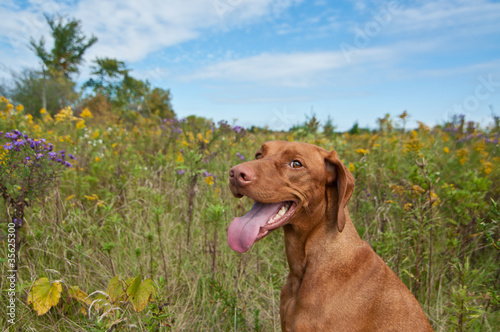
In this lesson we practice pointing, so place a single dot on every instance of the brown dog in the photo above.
(336, 281)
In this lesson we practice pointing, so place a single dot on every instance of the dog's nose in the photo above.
(241, 175)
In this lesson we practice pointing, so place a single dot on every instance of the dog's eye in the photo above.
(296, 164)
(258, 155)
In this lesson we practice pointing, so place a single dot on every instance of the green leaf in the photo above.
(140, 293)
(115, 289)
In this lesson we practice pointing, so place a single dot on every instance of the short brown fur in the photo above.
(336, 281)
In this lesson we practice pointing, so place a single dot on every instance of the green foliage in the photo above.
(69, 47)
(30, 87)
(426, 200)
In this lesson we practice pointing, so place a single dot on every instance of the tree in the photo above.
(69, 46)
(29, 86)
(66, 55)
(112, 79)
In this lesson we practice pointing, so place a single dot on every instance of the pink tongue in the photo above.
(243, 231)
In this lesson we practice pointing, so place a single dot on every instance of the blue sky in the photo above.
(271, 62)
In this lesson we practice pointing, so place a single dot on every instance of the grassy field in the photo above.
(148, 197)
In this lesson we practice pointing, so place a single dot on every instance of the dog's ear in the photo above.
(337, 177)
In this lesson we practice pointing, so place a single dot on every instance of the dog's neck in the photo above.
(304, 243)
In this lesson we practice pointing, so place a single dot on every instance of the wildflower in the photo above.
(462, 155)
(95, 135)
(11, 135)
(397, 189)
(93, 197)
(8, 146)
(43, 111)
(52, 155)
(446, 150)
(237, 129)
(434, 199)
(417, 189)
(351, 167)
(71, 156)
(179, 159)
(19, 108)
(181, 171)
(80, 124)
(239, 155)
(487, 167)
(97, 159)
(65, 114)
(361, 151)
(70, 197)
(86, 113)
(408, 206)
(39, 155)
(209, 180)
(390, 201)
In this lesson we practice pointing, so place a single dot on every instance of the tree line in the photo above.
(111, 90)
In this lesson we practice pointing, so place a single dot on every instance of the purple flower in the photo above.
(239, 155)
(39, 155)
(8, 146)
(237, 129)
(206, 173)
(67, 164)
(181, 171)
(27, 158)
(11, 135)
(71, 156)
(19, 142)
(52, 155)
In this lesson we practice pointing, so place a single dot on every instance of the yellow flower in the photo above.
(19, 108)
(351, 167)
(80, 124)
(91, 198)
(10, 107)
(361, 151)
(179, 159)
(417, 189)
(446, 150)
(95, 135)
(397, 189)
(97, 159)
(43, 111)
(487, 167)
(209, 180)
(390, 201)
(408, 206)
(434, 198)
(86, 113)
(113, 145)
(3, 99)
(70, 197)
(65, 114)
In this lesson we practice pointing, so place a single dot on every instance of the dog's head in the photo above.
(285, 180)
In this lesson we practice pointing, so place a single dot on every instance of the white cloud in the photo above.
(129, 30)
(471, 16)
(295, 69)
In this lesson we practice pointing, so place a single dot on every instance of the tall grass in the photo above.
(151, 198)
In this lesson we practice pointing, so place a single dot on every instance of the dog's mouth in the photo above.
(257, 223)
